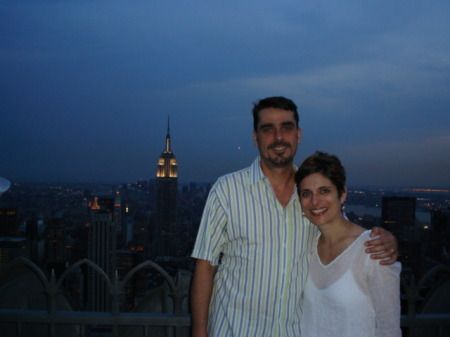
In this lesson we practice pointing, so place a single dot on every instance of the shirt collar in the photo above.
(256, 173)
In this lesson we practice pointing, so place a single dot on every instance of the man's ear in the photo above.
(299, 135)
(255, 139)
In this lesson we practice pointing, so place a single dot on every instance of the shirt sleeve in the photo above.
(384, 291)
(212, 230)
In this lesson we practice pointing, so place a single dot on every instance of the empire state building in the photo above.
(166, 201)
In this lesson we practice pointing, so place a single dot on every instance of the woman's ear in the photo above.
(343, 197)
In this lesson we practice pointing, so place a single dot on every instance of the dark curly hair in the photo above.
(328, 165)
(277, 102)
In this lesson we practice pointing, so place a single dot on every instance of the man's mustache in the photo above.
(277, 144)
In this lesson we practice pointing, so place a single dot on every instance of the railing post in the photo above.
(115, 295)
(52, 293)
(178, 297)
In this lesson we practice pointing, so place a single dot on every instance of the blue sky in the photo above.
(86, 87)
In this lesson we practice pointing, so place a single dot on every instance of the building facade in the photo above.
(166, 202)
(398, 215)
(102, 251)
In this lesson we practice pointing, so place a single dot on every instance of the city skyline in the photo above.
(87, 87)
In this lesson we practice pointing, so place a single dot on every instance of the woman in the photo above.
(346, 293)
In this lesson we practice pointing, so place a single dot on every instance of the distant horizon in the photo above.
(438, 189)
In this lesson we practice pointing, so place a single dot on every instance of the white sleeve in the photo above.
(384, 290)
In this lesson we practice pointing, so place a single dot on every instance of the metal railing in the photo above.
(426, 325)
(417, 324)
(53, 322)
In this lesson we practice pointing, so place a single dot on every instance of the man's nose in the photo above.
(279, 134)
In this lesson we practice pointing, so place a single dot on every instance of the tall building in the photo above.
(118, 212)
(9, 222)
(56, 240)
(166, 201)
(102, 251)
(126, 234)
(440, 242)
(398, 212)
(11, 249)
(398, 215)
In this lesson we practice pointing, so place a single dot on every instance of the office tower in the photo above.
(57, 235)
(32, 229)
(166, 201)
(9, 222)
(397, 213)
(440, 242)
(12, 249)
(102, 251)
(118, 211)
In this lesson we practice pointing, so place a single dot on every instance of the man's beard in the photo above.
(278, 160)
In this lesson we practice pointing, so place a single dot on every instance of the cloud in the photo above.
(93, 74)
(420, 163)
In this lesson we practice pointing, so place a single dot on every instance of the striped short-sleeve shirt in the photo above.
(262, 251)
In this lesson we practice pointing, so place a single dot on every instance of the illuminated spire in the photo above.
(168, 137)
(95, 205)
(167, 164)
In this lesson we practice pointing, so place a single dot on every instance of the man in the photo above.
(253, 244)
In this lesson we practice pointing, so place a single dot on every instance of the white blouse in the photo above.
(352, 296)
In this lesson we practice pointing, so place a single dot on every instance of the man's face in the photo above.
(277, 137)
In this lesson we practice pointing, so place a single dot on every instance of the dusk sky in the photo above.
(87, 87)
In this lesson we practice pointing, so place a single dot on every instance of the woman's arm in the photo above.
(384, 290)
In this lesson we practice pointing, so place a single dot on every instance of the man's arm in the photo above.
(201, 290)
(384, 247)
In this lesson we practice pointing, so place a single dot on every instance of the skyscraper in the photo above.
(440, 242)
(9, 222)
(166, 201)
(102, 251)
(398, 215)
(12, 248)
(56, 241)
(398, 212)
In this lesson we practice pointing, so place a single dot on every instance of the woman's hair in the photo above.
(328, 165)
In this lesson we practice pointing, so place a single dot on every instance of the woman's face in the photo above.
(320, 199)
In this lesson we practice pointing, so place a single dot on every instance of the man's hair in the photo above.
(328, 165)
(277, 102)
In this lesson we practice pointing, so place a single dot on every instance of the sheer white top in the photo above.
(352, 296)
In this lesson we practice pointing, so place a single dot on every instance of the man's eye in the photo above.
(325, 191)
(266, 130)
(288, 128)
